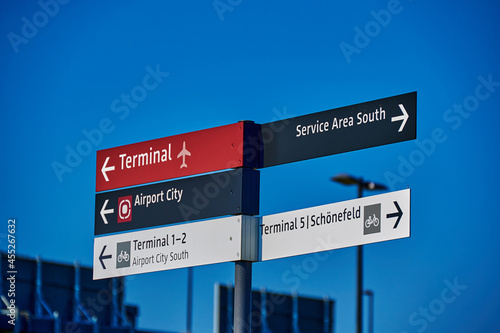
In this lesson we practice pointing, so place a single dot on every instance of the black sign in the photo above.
(223, 193)
(365, 125)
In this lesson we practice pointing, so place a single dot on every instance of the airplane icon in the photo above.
(184, 152)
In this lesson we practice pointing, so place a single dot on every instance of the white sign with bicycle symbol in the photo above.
(333, 226)
(190, 244)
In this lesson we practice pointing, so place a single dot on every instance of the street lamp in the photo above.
(369, 293)
(346, 179)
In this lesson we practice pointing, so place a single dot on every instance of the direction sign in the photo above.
(349, 128)
(212, 195)
(355, 222)
(221, 240)
(176, 156)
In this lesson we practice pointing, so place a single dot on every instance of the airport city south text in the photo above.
(161, 257)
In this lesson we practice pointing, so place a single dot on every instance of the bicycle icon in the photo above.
(123, 256)
(375, 221)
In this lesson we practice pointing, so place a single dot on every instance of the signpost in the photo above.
(176, 156)
(192, 244)
(244, 146)
(349, 223)
(365, 125)
(195, 198)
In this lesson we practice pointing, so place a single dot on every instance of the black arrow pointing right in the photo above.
(397, 214)
(102, 257)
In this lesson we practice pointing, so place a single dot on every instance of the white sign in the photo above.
(185, 245)
(349, 223)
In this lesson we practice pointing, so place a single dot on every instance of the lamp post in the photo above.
(369, 293)
(347, 179)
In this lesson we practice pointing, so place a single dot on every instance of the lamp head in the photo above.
(346, 179)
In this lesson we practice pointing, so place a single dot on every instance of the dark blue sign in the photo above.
(365, 125)
(224, 193)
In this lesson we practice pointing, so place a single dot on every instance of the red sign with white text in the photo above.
(176, 156)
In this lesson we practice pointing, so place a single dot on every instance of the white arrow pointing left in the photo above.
(105, 211)
(106, 168)
(404, 117)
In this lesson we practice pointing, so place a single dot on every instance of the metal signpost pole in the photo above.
(242, 296)
(189, 300)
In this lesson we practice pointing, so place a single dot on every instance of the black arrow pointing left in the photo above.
(102, 257)
(397, 214)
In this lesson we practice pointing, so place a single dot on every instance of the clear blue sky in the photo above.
(65, 67)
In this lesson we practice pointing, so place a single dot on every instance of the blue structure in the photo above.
(276, 313)
(53, 297)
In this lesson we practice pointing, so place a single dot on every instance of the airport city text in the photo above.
(172, 194)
